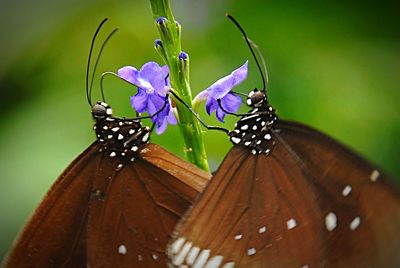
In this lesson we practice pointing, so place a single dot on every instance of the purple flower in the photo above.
(153, 85)
(221, 90)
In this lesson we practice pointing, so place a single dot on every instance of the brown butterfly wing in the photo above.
(55, 235)
(285, 211)
(133, 216)
(372, 199)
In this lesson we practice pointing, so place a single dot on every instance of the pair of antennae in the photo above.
(252, 45)
(90, 85)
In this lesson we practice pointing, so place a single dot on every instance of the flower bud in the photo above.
(161, 23)
(183, 58)
(178, 28)
(158, 45)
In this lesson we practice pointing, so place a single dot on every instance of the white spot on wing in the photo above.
(355, 223)
(238, 237)
(214, 262)
(251, 251)
(374, 175)
(229, 265)
(176, 246)
(119, 166)
(178, 259)
(346, 190)
(194, 251)
(291, 224)
(115, 129)
(262, 230)
(330, 221)
(244, 127)
(113, 154)
(120, 136)
(122, 250)
(154, 256)
(131, 131)
(202, 259)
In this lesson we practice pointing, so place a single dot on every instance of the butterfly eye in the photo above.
(99, 111)
(255, 98)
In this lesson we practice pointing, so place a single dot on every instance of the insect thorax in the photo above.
(120, 137)
(254, 130)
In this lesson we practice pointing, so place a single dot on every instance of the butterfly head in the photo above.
(101, 110)
(256, 98)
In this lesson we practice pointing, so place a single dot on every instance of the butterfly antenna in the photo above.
(264, 65)
(97, 62)
(89, 59)
(250, 46)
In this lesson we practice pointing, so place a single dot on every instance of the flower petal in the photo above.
(139, 101)
(157, 103)
(130, 74)
(161, 126)
(240, 74)
(160, 80)
(220, 114)
(222, 86)
(231, 102)
(202, 96)
(152, 76)
(211, 105)
(164, 73)
(149, 69)
(171, 117)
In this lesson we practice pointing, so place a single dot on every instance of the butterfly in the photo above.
(115, 205)
(287, 195)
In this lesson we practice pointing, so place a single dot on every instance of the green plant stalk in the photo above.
(190, 127)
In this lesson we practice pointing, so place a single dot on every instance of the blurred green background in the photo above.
(334, 66)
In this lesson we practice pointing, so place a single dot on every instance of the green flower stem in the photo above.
(169, 49)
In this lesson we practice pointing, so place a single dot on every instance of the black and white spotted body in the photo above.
(255, 129)
(120, 137)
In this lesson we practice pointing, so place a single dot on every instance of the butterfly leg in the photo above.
(227, 112)
(197, 115)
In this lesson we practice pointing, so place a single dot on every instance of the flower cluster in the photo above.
(153, 85)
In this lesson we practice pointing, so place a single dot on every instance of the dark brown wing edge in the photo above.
(336, 145)
(373, 195)
(55, 235)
